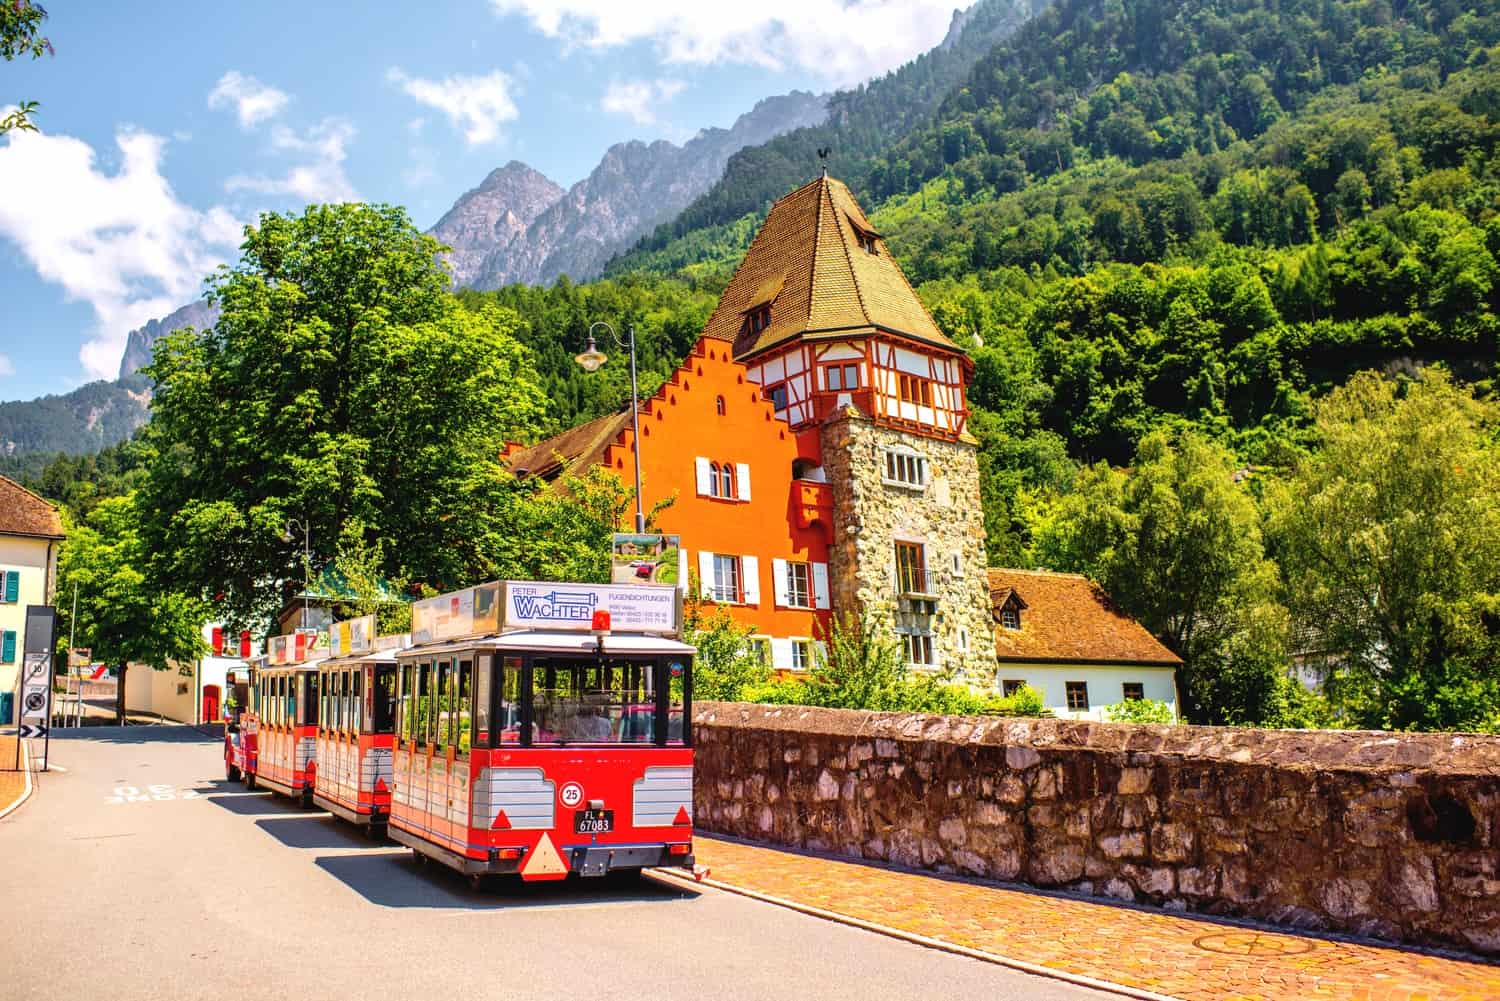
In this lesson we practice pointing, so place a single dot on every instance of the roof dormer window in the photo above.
(760, 318)
(867, 241)
(1010, 617)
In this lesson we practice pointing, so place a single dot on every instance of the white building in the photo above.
(1062, 635)
(30, 533)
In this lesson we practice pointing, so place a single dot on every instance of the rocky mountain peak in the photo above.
(493, 215)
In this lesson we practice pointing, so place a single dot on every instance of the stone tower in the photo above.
(824, 320)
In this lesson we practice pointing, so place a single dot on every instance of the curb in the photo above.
(26, 770)
(1020, 965)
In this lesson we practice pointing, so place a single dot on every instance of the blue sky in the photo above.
(165, 127)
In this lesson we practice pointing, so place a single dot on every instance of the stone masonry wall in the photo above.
(870, 515)
(1390, 836)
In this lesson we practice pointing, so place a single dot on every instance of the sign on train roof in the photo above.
(506, 605)
(352, 636)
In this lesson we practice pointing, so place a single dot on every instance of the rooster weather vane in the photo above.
(823, 152)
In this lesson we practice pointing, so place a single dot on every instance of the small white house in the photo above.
(1062, 635)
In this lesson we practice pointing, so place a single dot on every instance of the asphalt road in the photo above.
(198, 889)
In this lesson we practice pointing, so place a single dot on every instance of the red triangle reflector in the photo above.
(682, 818)
(380, 786)
(502, 822)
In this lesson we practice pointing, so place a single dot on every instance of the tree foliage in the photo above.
(123, 614)
(341, 385)
(20, 35)
(1389, 532)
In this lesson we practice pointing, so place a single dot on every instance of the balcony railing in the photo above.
(918, 584)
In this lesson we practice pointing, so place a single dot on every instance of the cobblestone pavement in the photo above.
(1151, 950)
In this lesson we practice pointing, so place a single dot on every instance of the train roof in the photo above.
(558, 641)
(361, 659)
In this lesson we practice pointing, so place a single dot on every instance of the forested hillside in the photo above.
(862, 123)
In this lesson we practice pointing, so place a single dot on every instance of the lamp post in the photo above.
(286, 536)
(590, 360)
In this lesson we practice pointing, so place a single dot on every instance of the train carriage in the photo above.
(357, 693)
(278, 742)
(533, 738)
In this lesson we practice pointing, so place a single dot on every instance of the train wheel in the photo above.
(476, 882)
(419, 857)
(231, 772)
(250, 781)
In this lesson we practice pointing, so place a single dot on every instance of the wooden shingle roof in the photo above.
(810, 251)
(1069, 618)
(574, 450)
(24, 513)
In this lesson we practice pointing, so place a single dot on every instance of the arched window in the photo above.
(719, 405)
(726, 480)
(714, 484)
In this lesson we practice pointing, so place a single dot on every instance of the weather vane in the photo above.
(823, 152)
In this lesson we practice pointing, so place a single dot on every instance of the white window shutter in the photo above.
(750, 579)
(819, 654)
(781, 654)
(705, 477)
(820, 585)
(742, 479)
(778, 582)
(682, 570)
(706, 573)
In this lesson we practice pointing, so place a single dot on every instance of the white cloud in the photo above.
(842, 40)
(321, 180)
(475, 105)
(252, 101)
(6, 368)
(639, 98)
(121, 242)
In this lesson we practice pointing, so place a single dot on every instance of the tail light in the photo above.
(509, 854)
(679, 849)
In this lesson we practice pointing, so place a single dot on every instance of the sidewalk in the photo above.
(1149, 950)
(12, 783)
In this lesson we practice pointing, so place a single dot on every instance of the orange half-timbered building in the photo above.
(814, 441)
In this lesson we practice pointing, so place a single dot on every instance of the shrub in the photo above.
(1140, 711)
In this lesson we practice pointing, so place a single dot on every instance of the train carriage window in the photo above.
(326, 721)
(356, 701)
(385, 700)
(464, 722)
(422, 723)
(309, 692)
(406, 706)
(508, 701)
(442, 705)
(485, 664)
(590, 703)
(346, 709)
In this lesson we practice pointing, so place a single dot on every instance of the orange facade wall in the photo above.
(683, 423)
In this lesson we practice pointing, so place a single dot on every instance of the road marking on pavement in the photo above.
(151, 794)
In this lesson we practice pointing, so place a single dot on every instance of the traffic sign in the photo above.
(33, 730)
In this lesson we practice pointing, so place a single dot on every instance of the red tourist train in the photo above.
(357, 693)
(545, 729)
(275, 744)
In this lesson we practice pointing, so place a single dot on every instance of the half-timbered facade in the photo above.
(821, 379)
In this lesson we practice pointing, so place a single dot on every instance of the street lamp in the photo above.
(589, 361)
(286, 536)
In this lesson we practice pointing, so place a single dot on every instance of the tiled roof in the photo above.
(808, 251)
(574, 450)
(24, 513)
(1069, 618)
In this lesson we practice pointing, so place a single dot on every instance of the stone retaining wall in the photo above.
(1391, 836)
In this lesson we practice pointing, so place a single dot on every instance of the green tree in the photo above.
(1389, 536)
(20, 33)
(1177, 542)
(122, 614)
(728, 662)
(341, 385)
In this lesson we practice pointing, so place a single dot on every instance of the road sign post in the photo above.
(35, 716)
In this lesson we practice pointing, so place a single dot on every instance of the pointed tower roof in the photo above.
(811, 265)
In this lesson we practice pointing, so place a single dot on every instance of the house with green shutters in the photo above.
(31, 531)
